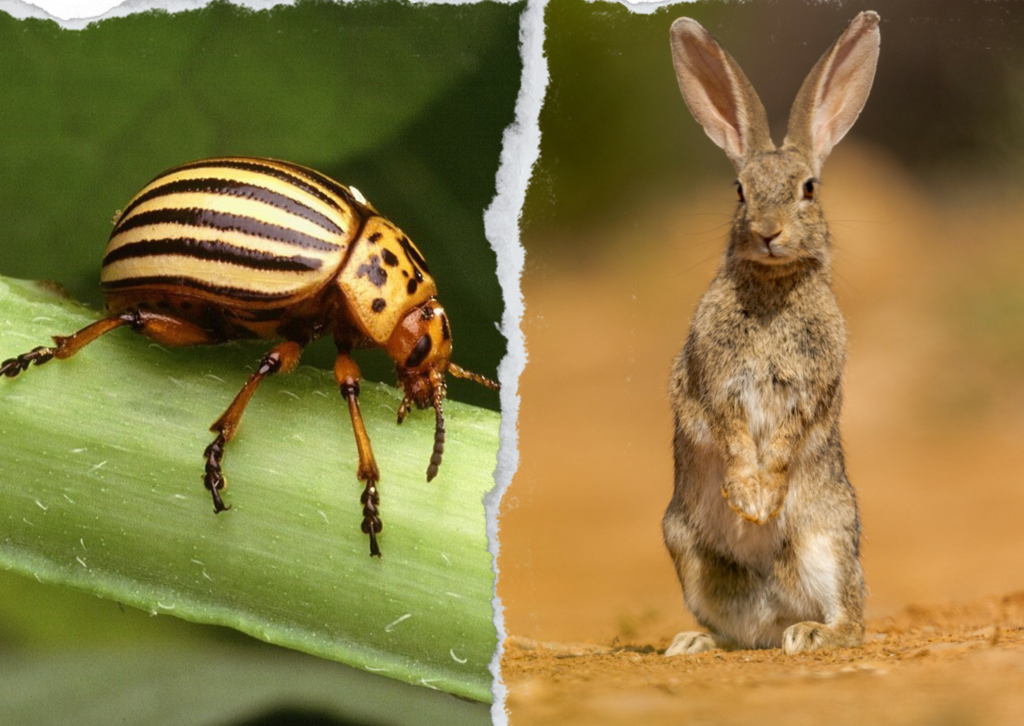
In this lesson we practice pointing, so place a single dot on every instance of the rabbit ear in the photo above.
(718, 93)
(835, 91)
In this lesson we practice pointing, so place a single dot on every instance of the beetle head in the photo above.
(421, 346)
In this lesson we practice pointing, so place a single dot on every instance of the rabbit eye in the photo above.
(809, 189)
(739, 191)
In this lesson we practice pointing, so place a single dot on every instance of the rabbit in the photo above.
(763, 526)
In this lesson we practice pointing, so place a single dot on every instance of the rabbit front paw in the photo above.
(690, 643)
(756, 497)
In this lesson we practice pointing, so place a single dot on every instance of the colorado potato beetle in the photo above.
(231, 248)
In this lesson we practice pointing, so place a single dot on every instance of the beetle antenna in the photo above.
(435, 458)
(460, 372)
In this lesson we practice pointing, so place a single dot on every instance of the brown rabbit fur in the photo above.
(763, 524)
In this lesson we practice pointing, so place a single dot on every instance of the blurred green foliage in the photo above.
(406, 103)
(613, 126)
(132, 668)
(948, 99)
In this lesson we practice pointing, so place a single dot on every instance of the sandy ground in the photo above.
(946, 665)
(933, 422)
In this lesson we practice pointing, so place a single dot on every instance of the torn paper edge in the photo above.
(520, 151)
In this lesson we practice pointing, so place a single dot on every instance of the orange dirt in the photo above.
(929, 665)
(933, 422)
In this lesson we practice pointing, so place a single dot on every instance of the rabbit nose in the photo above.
(768, 238)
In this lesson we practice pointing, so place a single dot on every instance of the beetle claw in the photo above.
(372, 524)
(214, 476)
(13, 366)
(218, 503)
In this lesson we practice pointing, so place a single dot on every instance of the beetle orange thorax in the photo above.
(421, 346)
(384, 277)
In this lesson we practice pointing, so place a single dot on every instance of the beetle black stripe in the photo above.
(231, 187)
(293, 176)
(216, 251)
(414, 254)
(196, 217)
(330, 184)
(357, 236)
(234, 293)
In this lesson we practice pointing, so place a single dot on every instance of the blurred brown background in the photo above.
(624, 226)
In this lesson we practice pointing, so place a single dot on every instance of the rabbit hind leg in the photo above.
(843, 608)
(806, 636)
(844, 628)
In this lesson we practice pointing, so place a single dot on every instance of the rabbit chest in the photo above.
(763, 360)
(764, 384)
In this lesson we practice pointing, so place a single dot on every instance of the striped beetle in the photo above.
(240, 247)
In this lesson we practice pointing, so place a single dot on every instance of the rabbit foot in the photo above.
(807, 636)
(689, 643)
(756, 498)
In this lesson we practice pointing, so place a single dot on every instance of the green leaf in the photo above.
(101, 490)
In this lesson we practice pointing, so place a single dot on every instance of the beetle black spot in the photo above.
(373, 272)
(374, 237)
(427, 312)
(389, 258)
(378, 304)
(411, 287)
(419, 353)
(446, 333)
(418, 275)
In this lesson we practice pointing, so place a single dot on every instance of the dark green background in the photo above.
(407, 103)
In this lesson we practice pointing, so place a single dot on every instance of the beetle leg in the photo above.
(162, 328)
(403, 408)
(281, 359)
(346, 373)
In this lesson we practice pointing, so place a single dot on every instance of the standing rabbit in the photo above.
(763, 523)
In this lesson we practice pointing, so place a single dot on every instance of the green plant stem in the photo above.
(101, 489)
